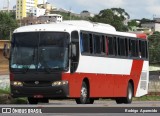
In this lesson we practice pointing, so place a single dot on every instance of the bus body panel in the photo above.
(144, 80)
(105, 85)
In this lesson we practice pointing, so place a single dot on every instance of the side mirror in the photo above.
(73, 50)
(6, 51)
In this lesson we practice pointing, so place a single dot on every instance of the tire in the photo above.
(129, 96)
(119, 100)
(84, 95)
(32, 100)
(44, 100)
(90, 101)
(128, 99)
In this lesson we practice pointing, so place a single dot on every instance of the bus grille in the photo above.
(37, 84)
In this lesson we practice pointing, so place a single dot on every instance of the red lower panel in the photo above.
(104, 85)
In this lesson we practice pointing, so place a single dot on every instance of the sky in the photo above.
(137, 9)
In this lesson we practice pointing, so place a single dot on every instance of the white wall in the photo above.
(37, 11)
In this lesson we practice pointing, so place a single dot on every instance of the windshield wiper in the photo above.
(52, 69)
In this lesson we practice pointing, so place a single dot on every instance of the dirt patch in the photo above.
(4, 67)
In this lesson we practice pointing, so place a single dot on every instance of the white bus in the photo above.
(80, 60)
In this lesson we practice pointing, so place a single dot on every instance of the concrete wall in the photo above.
(154, 82)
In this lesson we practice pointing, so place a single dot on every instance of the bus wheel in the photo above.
(44, 100)
(128, 99)
(119, 100)
(84, 95)
(90, 101)
(32, 100)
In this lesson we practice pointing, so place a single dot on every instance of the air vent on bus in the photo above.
(143, 81)
(143, 85)
(144, 76)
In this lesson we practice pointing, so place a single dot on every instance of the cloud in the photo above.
(90, 5)
(135, 8)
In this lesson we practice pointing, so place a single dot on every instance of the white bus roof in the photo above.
(71, 25)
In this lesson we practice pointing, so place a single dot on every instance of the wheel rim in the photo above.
(83, 93)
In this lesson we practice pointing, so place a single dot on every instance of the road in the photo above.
(70, 108)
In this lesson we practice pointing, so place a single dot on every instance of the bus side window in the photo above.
(140, 49)
(97, 49)
(126, 47)
(129, 48)
(143, 49)
(103, 43)
(122, 46)
(110, 45)
(85, 43)
(107, 45)
(91, 43)
(115, 46)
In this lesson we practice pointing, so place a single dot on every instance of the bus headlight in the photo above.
(58, 83)
(17, 83)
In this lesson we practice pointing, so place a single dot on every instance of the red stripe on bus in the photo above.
(141, 35)
(104, 85)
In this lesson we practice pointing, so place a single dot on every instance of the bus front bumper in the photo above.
(61, 91)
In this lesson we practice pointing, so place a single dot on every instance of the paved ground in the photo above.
(4, 81)
(63, 106)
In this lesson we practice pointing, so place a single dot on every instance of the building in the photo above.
(85, 14)
(51, 18)
(41, 19)
(23, 7)
(29, 21)
(36, 12)
(145, 30)
(153, 25)
(49, 7)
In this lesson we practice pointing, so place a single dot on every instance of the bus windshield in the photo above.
(40, 51)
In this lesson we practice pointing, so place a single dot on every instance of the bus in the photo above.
(78, 60)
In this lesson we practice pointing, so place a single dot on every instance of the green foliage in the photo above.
(147, 98)
(19, 101)
(109, 17)
(121, 11)
(7, 24)
(154, 47)
(144, 20)
(132, 23)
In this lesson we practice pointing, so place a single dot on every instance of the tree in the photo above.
(154, 47)
(121, 12)
(7, 24)
(109, 17)
(132, 23)
(144, 20)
